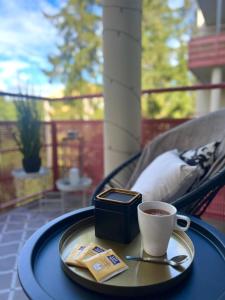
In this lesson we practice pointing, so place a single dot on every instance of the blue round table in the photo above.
(42, 277)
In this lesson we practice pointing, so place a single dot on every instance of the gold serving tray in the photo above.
(141, 278)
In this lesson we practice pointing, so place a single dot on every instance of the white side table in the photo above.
(64, 186)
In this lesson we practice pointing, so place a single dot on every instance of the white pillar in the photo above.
(202, 102)
(122, 80)
(215, 100)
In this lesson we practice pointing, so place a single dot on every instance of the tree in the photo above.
(71, 109)
(7, 110)
(164, 58)
(77, 61)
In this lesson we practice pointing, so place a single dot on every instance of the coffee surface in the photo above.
(156, 212)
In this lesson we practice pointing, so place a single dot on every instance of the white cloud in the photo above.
(176, 3)
(9, 67)
(11, 71)
(26, 38)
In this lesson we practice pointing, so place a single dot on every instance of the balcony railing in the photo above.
(58, 156)
(207, 51)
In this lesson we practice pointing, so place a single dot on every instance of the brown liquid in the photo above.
(157, 212)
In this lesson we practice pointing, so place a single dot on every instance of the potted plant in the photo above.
(28, 136)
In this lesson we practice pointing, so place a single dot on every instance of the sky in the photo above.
(26, 38)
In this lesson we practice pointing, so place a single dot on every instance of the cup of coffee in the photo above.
(157, 220)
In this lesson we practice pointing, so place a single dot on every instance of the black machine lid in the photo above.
(120, 196)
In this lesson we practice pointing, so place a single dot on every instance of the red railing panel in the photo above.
(63, 156)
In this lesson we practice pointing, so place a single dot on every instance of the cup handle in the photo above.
(182, 228)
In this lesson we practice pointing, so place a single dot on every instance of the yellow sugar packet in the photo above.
(81, 252)
(105, 265)
(91, 250)
(72, 258)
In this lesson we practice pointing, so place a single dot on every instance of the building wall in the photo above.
(208, 101)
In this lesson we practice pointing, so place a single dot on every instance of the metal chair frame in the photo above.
(193, 202)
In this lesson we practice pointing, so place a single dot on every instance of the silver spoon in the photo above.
(174, 261)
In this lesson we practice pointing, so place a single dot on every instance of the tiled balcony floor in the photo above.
(16, 226)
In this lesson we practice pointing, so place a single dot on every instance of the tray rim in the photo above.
(27, 257)
(117, 290)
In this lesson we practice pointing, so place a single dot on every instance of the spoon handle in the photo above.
(157, 260)
(148, 259)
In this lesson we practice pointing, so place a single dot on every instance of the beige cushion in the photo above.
(166, 178)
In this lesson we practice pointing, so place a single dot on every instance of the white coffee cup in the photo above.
(156, 228)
